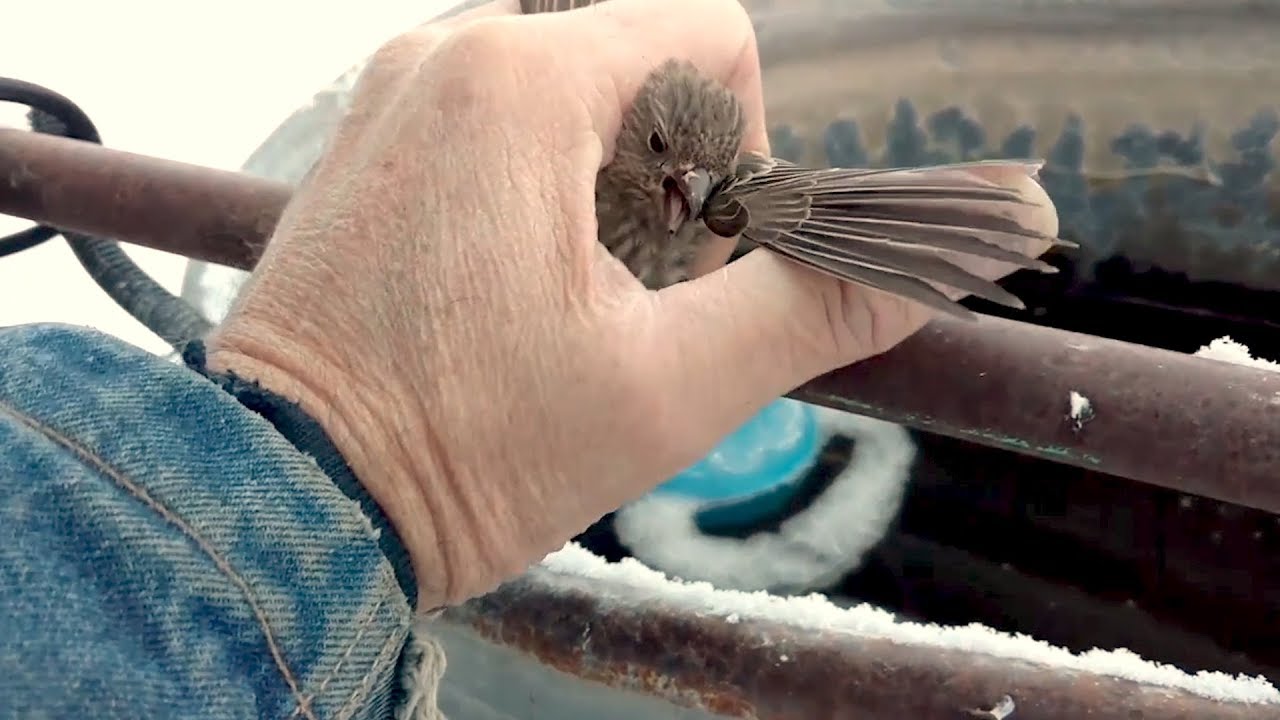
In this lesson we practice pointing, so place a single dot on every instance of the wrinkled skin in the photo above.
(436, 296)
(680, 180)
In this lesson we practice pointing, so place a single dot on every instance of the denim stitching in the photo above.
(304, 703)
(362, 624)
(389, 649)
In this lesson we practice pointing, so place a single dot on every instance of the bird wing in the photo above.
(532, 7)
(888, 229)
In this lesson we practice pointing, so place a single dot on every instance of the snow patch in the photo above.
(1228, 350)
(1000, 711)
(817, 611)
(1080, 410)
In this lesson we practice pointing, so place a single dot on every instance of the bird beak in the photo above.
(694, 186)
(685, 193)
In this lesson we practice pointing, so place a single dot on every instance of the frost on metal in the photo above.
(1081, 410)
(1228, 350)
(864, 621)
(1001, 710)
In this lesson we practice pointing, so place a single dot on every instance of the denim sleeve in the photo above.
(166, 552)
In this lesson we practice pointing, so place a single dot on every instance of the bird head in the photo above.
(680, 141)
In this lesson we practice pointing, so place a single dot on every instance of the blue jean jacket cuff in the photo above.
(306, 434)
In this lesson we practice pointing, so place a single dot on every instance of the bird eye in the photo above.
(656, 143)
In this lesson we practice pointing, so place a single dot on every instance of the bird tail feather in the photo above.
(931, 234)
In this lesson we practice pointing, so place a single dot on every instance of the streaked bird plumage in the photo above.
(678, 180)
(888, 229)
(678, 142)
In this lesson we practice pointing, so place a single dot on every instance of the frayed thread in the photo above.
(423, 667)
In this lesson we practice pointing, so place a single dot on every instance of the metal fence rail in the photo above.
(769, 670)
(1187, 423)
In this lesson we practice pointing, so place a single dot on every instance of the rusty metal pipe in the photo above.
(1164, 418)
(1199, 426)
(635, 639)
(213, 215)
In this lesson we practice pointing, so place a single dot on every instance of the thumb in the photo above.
(728, 343)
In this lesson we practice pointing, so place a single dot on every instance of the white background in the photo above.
(202, 83)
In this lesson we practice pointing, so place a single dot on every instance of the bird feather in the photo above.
(877, 226)
(531, 7)
(894, 229)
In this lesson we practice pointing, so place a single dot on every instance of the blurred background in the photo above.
(199, 83)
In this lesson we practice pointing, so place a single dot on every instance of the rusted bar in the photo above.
(202, 213)
(634, 639)
(1200, 426)
(1165, 418)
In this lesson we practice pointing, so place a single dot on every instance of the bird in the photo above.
(678, 179)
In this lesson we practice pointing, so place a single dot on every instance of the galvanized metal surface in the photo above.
(629, 640)
(1200, 426)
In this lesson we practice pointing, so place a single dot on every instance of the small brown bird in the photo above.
(678, 179)
(678, 146)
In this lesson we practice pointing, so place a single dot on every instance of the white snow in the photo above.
(866, 621)
(1228, 350)
(1081, 409)
(1002, 709)
(1079, 405)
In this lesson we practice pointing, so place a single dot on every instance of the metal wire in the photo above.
(165, 314)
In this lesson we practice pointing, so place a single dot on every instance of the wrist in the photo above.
(351, 410)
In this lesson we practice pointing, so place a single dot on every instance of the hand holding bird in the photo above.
(680, 178)
(437, 293)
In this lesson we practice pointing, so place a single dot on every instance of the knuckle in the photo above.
(870, 322)
(406, 49)
(471, 68)
(832, 335)
(482, 44)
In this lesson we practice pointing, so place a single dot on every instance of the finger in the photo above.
(472, 11)
(712, 255)
(394, 62)
(634, 36)
(1033, 193)
(747, 85)
(627, 39)
(1037, 213)
(727, 344)
(393, 69)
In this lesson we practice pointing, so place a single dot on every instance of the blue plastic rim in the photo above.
(770, 451)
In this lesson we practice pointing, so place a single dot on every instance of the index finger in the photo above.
(629, 38)
(472, 10)
(393, 60)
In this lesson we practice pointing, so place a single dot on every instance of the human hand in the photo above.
(435, 295)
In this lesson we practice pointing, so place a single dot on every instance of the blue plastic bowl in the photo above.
(749, 475)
